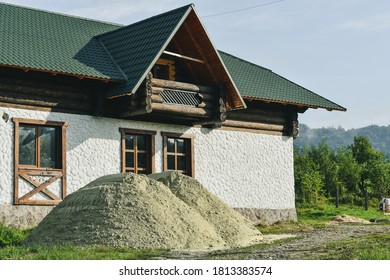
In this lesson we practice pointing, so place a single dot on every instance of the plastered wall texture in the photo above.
(247, 170)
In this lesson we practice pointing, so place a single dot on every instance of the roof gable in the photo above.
(136, 47)
(258, 83)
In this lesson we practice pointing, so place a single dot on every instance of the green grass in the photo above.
(314, 218)
(370, 247)
(320, 216)
(76, 253)
(11, 248)
(12, 236)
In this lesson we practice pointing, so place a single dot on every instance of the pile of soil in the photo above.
(348, 219)
(167, 210)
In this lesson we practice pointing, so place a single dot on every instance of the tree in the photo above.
(381, 179)
(325, 159)
(367, 158)
(348, 175)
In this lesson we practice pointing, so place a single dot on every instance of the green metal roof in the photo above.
(256, 82)
(45, 41)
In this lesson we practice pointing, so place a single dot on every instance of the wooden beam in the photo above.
(183, 56)
(254, 125)
(248, 115)
(182, 86)
(157, 98)
(200, 51)
(179, 109)
(39, 187)
(188, 65)
(249, 130)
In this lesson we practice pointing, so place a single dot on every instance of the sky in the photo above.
(338, 49)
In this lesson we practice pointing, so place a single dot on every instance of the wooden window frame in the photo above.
(26, 171)
(189, 151)
(171, 66)
(150, 155)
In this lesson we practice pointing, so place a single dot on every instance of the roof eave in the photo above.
(54, 73)
(338, 108)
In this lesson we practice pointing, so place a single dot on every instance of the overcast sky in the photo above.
(336, 48)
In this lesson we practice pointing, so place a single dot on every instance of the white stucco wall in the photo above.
(244, 169)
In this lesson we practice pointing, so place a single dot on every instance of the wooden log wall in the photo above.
(148, 100)
(275, 121)
(46, 92)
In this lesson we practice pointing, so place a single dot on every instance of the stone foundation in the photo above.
(268, 216)
(23, 216)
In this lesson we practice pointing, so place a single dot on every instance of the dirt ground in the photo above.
(305, 245)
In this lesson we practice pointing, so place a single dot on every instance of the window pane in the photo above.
(130, 160)
(181, 146)
(181, 163)
(129, 140)
(171, 162)
(171, 145)
(161, 71)
(142, 172)
(27, 145)
(141, 142)
(142, 160)
(48, 147)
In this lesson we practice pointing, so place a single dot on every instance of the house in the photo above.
(81, 98)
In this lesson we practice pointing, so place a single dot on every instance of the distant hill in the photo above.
(339, 137)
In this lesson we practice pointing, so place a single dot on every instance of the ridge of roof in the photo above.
(143, 20)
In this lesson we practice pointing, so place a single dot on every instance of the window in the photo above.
(40, 161)
(39, 146)
(137, 151)
(179, 153)
(164, 69)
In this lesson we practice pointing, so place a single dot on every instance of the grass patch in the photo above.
(315, 218)
(288, 227)
(320, 216)
(68, 252)
(11, 248)
(370, 247)
(12, 236)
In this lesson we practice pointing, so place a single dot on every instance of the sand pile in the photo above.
(348, 219)
(140, 212)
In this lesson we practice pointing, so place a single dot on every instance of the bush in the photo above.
(12, 236)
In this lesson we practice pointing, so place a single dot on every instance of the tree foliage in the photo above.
(354, 174)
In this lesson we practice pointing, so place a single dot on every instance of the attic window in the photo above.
(164, 69)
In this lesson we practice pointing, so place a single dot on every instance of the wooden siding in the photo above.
(46, 92)
(266, 118)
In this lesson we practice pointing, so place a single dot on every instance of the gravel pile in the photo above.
(166, 210)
